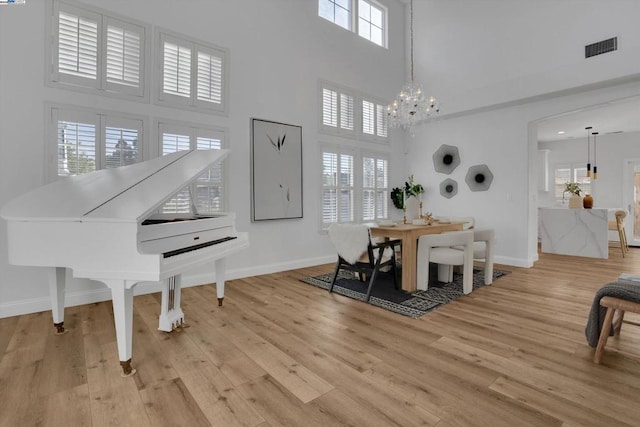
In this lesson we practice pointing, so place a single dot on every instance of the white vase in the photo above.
(575, 202)
(413, 208)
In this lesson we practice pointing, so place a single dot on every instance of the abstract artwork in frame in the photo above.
(276, 170)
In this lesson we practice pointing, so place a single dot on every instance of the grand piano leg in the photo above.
(57, 283)
(122, 297)
(171, 315)
(220, 271)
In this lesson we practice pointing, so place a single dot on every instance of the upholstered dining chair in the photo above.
(439, 249)
(359, 254)
(618, 225)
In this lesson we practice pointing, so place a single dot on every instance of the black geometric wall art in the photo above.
(479, 178)
(446, 159)
(448, 188)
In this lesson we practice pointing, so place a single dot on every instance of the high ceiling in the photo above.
(614, 117)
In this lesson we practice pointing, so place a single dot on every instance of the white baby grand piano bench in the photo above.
(103, 226)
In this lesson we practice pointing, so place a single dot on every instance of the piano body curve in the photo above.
(104, 226)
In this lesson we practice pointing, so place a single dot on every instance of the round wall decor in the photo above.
(446, 159)
(479, 178)
(448, 188)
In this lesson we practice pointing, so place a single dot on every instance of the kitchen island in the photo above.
(578, 232)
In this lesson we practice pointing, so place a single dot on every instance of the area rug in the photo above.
(385, 295)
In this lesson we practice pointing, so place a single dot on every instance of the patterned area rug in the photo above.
(385, 295)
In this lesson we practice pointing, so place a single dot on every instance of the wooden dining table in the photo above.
(409, 234)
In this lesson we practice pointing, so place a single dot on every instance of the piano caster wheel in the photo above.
(220, 302)
(60, 328)
(127, 370)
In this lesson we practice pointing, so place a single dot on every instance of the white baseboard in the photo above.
(515, 262)
(43, 303)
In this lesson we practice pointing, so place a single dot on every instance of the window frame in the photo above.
(192, 102)
(358, 155)
(100, 85)
(355, 19)
(101, 119)
(194, 131)
(357, 133)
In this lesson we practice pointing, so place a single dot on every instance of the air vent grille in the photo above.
(601, 47)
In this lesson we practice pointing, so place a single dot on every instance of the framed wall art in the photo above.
(276, 170)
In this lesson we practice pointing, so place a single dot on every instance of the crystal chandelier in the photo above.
(411, 106)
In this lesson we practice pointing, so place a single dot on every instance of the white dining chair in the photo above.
(439, 249)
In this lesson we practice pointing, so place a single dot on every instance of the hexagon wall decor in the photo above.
(448, 188)
(446, 159)
(479, 178)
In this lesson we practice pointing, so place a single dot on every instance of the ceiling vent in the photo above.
(601, 47)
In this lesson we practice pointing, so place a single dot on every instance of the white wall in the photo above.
(472, 54)
(278, 51)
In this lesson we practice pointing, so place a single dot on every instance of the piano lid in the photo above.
(127, 193)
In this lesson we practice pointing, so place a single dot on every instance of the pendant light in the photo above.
(411, 106)
(595, 149)
(588, 128)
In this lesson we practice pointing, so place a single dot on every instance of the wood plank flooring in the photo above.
(281, 352)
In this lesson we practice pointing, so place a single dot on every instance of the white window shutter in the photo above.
(381, 121)
(346, 112)
(124, 58)
(209, 80)
(76, 59)
(368, 117)
(329, 108)
(76, 144)
(176, 67)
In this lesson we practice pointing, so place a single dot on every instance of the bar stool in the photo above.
(618, 225)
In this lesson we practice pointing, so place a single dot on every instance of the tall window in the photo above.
(355, 187)
(87, 141)
(98, 51)
(371, 20)
(338, 189)
(570, 173)
(208, 191)
(375, 188)
(193, 73)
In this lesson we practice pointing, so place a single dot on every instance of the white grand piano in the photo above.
(105, 226)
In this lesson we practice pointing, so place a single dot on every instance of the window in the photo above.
(336, 11)
(375, 188)
(96, 51)
(339, 114)
(337, 188)
(354, 186)
(208, 191)
(374, 119)
(337, 108)
(193, 74)
(371, 22)
(87, 141)
(570, 173)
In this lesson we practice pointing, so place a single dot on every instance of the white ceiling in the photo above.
(613, 117)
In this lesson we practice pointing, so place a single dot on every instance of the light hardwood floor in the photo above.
(281, 352)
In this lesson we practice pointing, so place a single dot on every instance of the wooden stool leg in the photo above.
(621, 238)
(617, 321)
(604, 334)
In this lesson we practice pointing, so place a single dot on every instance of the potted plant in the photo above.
(575, 201)
(399, 195)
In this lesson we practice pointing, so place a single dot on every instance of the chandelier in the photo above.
(411, 106)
